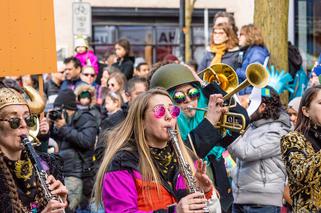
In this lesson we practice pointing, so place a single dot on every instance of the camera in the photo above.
(55, 114)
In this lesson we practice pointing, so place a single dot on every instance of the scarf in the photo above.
(219, 50)
(165, 161)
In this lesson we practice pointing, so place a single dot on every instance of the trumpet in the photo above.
(257, 76)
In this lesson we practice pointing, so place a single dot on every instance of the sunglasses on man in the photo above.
(180, 97)
(89, 74)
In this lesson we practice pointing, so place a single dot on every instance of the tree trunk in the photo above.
(189, 6)
(272, 18)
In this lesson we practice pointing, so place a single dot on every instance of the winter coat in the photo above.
(106, 124)
(71, 84)
(253, 54)
(50, 161)
(76, 142)
(122, 187)
(126, 66)
(260, 174)
(232, 58)
(51, 88)
(88, 55)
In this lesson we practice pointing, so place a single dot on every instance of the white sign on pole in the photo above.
(81, 18)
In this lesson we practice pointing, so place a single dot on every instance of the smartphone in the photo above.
(317, 70)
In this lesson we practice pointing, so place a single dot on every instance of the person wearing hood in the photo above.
(124, 62)
(259, 178)
(252, 43)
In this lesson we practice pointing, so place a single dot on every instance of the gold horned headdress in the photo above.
(36, 105)
(10, 96)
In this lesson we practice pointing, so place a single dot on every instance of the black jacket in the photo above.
(126, 66)
(76, 142)
(205, 136)
(51, 88)
(107, 124)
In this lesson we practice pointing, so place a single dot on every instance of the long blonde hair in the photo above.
(119, 137)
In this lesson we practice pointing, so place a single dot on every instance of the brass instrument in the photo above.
(222, 74)
(257, 76)
(36, 105)
(183, 164)
(40, 171)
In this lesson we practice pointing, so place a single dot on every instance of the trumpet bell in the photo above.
(257, 75)
(222, 74)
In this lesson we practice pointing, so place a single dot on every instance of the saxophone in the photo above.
(184, 165)
(40, 172)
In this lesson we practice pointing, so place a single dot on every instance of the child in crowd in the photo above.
(83, 53)
(116, 83)
(113, 102)
(124, 62)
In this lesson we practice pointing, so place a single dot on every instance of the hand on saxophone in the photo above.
(203, 180)
(195, 202)
(215, 108)
(57, 188)
(44, 126)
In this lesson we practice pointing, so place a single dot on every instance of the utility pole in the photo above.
(181, 29)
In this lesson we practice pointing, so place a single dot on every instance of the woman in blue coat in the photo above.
(252, 43)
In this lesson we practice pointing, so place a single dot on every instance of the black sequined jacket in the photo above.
(55, 165)
(302, 158)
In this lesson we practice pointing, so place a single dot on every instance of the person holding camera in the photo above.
(75, 132)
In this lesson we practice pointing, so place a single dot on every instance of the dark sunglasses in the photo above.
(160, 110)
(88, 74)
(180, 97)
(16, 121)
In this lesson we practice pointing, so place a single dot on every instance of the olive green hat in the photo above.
(171, 75)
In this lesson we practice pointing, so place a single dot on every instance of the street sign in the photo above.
(81, 18)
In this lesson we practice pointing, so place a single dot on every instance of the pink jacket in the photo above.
(88, 55)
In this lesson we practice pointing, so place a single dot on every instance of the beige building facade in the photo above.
(149, 16)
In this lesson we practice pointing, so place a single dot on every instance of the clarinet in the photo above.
(40, 172)
(184, 165)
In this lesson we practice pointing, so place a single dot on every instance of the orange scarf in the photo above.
(219, 50)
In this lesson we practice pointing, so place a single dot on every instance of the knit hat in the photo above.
(66, 99)
(81, 41)
(295, 103)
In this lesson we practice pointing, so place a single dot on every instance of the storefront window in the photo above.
(308, 30)
(150, 42)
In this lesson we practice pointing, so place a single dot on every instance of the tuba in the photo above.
(257, 76)
(36, 105)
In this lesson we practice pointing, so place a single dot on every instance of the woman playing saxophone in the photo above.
(140, 170)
